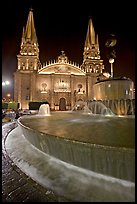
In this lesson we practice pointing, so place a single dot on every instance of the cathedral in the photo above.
(60, 82)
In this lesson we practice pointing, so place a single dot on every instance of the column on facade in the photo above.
(87, 87)
(52, 92)
(90, 87)
(72, 91)
(92, 81)
(32, 86)
(17, 87)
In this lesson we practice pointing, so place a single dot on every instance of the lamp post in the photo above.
(111, 61)
(111, 44)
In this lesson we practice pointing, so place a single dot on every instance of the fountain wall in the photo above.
(117, 94)
(114, 88)
(113, 161)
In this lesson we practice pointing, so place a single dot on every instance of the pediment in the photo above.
(61, 69)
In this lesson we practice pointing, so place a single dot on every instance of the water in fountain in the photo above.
(93, 107)
(98, 107)
(121, 106)
(82, 107)
(132, 108)
(93, 142)
(79, 137)
(44, 110)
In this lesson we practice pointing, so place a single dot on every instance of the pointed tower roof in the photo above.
(91, 55)
(23, 33)
(97, 39)
(23, 36)
(97, 42)
(30, 33)
(90, 38)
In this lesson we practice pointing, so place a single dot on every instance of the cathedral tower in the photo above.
(28, 65)
(91, 55)
(28, 59)
(92, 64)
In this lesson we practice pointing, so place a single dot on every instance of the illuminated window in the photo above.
(126, 92)
(109, 85)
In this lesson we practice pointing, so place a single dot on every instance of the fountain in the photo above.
(44, 110)
(98, 107)
(92, 107)
(121, 106)
(83, 157)
(82, 107)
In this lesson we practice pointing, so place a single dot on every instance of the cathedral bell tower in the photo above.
(28, 59)
(91, 55)
(92, 64)
(28, 65)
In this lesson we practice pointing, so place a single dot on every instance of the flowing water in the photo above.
(104, 144)
(44, 110)
(110, 131)
(90, 139)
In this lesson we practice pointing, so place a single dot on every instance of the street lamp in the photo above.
(111, 61)
(5, 83)
(8, 96)
(111, 44)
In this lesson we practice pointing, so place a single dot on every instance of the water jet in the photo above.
(44, 110)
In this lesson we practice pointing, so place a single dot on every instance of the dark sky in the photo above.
(62, 25)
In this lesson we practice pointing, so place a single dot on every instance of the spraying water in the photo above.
(44, 110)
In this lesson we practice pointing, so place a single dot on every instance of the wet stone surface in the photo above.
(17, 186)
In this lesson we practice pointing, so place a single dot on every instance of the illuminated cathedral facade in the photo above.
(60, 82)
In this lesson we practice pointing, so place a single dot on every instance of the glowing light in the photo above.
(43, 92)
(121, 116)
(111, 60)
(5, 83)
(106, 74)
(8, 95)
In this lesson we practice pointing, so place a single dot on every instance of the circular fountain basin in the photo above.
(102, 144)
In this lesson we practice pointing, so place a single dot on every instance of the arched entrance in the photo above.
(62, 104)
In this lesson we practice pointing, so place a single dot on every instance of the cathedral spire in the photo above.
(97, 40)
(23, 33)
(23, 36)
(90, 38)
(91, 49)
(29, 42)
(91, 55)
(28, 59)
(30, 33)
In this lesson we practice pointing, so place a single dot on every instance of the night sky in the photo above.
(62, 25)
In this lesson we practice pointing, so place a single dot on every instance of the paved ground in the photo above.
(16, 186)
